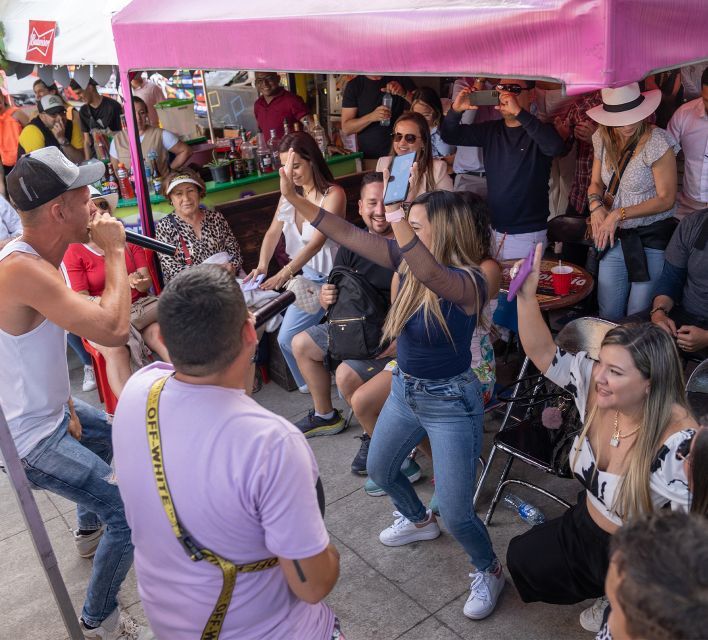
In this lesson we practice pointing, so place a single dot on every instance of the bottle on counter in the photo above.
(111, 182)
(286, 127)
(265, 159)
(274, 148)
(249, 158)
(235, 161)
(387, 101)
(124, 187)
(529, 513)
(318, 133)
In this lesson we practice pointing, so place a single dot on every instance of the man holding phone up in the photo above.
(518, 151)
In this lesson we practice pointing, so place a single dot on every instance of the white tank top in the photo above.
(323, 260)
(34, 376)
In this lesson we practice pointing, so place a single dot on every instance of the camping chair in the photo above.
(528, 440)
(697, 390)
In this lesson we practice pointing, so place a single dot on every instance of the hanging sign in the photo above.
(40, 41)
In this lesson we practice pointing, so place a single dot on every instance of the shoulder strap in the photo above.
(617, 176)
(194, 550)
(185, 250)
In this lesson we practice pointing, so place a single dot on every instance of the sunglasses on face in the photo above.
(410, 138)
(102, 205)
(516, 89)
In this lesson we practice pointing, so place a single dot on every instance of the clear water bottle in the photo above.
(387, 101)
(528, 512)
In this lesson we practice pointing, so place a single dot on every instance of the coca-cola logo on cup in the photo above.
(40, 41)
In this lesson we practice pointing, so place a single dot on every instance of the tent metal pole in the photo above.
(208, 106)
(37, 530)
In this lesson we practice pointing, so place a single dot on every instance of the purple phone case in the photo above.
(521, 276)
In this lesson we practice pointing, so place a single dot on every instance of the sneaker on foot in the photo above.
(359, 462)
(89, 378)
(303, 389)
(118, 626)
(409, 467)
(87, 543)
(484, 592)
(591, 618)
(403, 531)
(312, 425)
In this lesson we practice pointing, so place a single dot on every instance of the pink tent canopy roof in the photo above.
(585, 43)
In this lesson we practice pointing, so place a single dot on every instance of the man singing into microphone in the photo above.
(65, 444)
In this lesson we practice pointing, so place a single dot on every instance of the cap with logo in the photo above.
(51, 105)
(45, 174)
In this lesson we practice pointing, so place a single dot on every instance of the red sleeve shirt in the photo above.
(87, 271)
(285, 106)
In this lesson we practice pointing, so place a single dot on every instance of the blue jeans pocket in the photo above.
(442, 391)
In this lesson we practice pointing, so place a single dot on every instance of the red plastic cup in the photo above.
(562, 275)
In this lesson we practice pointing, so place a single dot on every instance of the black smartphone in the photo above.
(484, 98)
(397, 186)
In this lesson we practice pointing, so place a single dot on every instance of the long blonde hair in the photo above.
(455, 243)
(614, 144)
(655, 355)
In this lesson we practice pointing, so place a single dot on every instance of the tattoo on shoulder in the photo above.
(300, 572)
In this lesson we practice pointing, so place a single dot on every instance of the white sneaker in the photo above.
(591, 618)
(484, 593)
(89, 378)
(118, 626)
(403, 531)
(304, 389)
(86, 544)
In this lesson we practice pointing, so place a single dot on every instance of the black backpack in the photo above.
(355, 321)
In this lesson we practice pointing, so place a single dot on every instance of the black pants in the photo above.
(563, 561)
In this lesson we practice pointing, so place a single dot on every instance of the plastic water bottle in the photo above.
(387, 101)
(528, 512)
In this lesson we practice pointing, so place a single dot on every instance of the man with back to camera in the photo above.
(242, 480)
(518, 152)
(47, 426)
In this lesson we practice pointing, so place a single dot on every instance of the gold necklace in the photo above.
(309, 191)
(617, 435)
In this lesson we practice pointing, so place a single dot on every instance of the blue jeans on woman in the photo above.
(295, 321)
(616, 295)
(80, 471)
(450, 413)
(75, 343)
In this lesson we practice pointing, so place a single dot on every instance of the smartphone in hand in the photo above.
(521, 275)
(484, 98)
(397, 186)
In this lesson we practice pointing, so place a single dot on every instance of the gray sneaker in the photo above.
(118, 626)
(591, 618)
(86, 544)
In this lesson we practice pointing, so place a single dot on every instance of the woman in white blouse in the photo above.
(636, 421)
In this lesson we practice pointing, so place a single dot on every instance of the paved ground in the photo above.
(414, 592)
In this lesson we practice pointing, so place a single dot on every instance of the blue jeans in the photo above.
(450, 413)
(616, 295)
(79, 349)
(295, 321)
(81, 472)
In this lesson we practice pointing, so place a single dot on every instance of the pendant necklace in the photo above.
(617, 435)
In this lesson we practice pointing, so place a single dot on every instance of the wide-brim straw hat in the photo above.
(625, 105)
(110, 198)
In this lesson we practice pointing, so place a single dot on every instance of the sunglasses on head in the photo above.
(410, 138)
(512, 88)
(103, 205)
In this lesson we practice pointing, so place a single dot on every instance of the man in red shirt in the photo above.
(276, 104)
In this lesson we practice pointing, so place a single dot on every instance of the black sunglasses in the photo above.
(410, 138)
(512, 88)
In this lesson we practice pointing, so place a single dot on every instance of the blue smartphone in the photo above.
(397, 187)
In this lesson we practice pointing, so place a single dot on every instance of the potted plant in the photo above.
(220, 169)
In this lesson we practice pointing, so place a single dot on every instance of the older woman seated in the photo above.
(153, 140)
(197, 232)
(86, 268)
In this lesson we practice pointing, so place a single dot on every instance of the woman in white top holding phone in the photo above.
(411, 133)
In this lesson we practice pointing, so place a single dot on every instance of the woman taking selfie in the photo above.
(412, 134)
(636, 421)
(433, 392)
(309, 250)
(631, 199)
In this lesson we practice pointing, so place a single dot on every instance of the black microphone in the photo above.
(150, 243)
(273, 307)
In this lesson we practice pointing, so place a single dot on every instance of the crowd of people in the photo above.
(197, 458)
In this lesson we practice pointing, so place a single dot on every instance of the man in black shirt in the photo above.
(363, 111)
(310, 346)
(518, 151)
(98, 112)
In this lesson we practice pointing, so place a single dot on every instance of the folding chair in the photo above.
(528, 440)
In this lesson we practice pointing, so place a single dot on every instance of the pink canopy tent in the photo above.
(586, 44)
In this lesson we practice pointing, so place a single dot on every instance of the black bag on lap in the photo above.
(355, 321)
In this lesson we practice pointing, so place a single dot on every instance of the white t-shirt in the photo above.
(243, 484)
(10, 224)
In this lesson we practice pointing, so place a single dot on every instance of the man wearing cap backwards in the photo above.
(51, 129)
(65, 445)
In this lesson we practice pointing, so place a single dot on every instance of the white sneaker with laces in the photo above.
(484, 593)
(591, 618)
(118, 626)
(403, 531)
(86, 544)
(304, 389)
(89, 378)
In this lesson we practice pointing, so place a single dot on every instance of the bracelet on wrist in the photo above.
(594, 197)
(599, 206)
(289, 270)
(395, 216)
(655, 309)
(623, 214)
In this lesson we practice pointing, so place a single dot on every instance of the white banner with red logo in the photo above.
(40, 41)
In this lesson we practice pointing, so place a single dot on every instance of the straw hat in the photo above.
(110, 198)
(625, 105)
